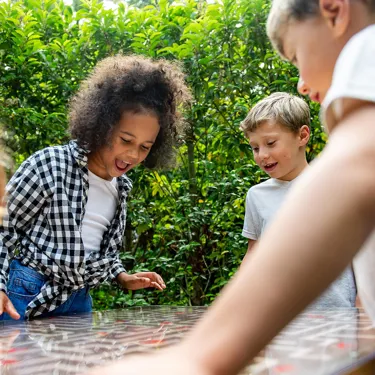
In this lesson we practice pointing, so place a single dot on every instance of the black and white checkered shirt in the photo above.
(47, 197)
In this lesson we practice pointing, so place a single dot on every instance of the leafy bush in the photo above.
(185, 224)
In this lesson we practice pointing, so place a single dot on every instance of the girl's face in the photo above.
(131, 142)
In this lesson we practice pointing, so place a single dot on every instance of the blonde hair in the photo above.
(282, 108)
(282, 13)
(285, 11)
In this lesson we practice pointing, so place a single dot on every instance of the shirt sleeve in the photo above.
(25, 197)
(252, 226)
(116, 269)
(353, 77)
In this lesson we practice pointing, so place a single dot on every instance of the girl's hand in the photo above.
(141, 280)
(7, 307)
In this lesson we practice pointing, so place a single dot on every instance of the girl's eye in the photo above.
(271, 143)
(146, 148)
(255, 149)
(125, 140)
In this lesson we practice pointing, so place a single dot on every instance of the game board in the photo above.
(321, 343)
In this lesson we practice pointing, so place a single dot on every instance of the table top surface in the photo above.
(320, 343)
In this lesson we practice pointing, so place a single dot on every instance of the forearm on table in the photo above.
(308, 247)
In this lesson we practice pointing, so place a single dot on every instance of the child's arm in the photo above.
(250, 247)
(358, 303)
(323, 223)
(252, 226)
(325, 220)
(140, 280)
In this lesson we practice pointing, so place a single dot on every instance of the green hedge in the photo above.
(185, 224)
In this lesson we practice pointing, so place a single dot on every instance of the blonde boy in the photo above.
(278, 130)
(331, 208)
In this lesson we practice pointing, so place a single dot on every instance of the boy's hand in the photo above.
(141, 280)
(7, 307)
(171, 361)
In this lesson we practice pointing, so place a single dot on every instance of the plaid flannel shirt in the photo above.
(46, 204)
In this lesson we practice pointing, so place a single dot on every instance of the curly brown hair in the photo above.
(136, 84)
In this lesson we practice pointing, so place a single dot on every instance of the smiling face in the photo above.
(131, 142)
(279, 151)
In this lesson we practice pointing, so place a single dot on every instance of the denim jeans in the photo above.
(24, 284)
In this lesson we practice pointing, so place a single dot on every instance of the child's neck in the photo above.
(296, 171)
(301, 168)
(362, 18)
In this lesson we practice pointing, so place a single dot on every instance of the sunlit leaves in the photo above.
(187, 223)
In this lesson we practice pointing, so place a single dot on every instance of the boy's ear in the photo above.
(304, 135)
(336, 13)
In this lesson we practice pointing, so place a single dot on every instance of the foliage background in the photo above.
(185, 224)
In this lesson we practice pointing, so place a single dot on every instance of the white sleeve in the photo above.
(252, 226)
(353, 77)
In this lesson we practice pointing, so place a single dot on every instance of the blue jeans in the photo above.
(24, 284)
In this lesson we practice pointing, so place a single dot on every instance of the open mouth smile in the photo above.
(122, 166)
(270, 167)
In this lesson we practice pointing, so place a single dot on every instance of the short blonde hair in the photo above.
(285, 11)
(287, 110)
(282, 13)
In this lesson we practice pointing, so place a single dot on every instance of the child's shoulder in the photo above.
(43, 166)
(47, 160)
(269, 186)
(359, 39)
(265, 185)
(51, 154)
(353, 76)
(356, 57)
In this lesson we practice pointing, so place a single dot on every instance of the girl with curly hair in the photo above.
(66, 205)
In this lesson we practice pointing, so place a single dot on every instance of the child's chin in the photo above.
(272, 174)
(118, 172)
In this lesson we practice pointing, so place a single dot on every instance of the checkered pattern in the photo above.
(46, 204)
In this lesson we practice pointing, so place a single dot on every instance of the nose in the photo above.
(263, 154)
(133, 155)
(302, 88)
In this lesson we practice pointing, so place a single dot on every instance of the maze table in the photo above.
(321, 343)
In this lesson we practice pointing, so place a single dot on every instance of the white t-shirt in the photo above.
(100, 210)
(262, 203)
(354, 77)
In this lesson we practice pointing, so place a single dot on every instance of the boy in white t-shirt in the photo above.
(278, 130)
(327, 217)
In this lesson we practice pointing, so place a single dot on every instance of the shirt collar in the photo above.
(79, 153)
(125, 185)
